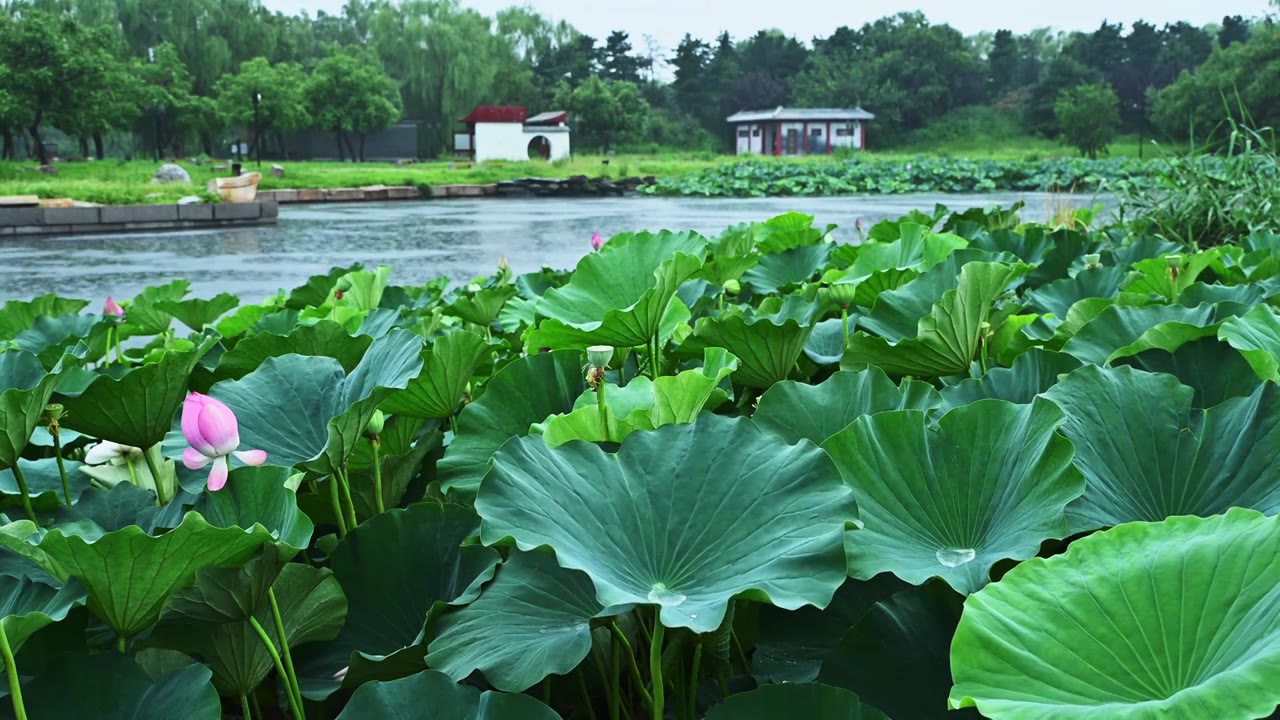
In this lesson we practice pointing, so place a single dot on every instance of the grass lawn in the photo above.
(115, 182)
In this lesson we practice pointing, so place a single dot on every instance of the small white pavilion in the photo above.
(799, 131)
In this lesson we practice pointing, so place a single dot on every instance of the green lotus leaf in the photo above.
(19, 315)
(51, 337)
(1052, 253)
(645, 404)
(433, 696)
(143, 314)
(306, 412)
(794, 410)
(991, 481)
(447, 367)
(364, 288)
(777, 272)
(792, 645)
(825, 345)
(44, 482)
(767, 341)
(1211, 367)
(483, 307)
(1032, 373)
(1155, 276)
(619, 296)
(1257, 336)
(30, 605)
(896, 314)
(25, 388)
(1156, 458)
(130, 574)
(1176, 619)
(1059, 296)
(110, 686)
(400, 467)
(138, 408)
(312, 608)
(1120, 332)
(198, 313)
(787, 231)
(98, 511)
(392, 594)
(259, 496)
(324, 339)
(915, 249)
(686, 517)
(810, 701)
(532, 621)
(946, 341)
(896, 656)
(226, 594)
(527, 391)
(318, 288)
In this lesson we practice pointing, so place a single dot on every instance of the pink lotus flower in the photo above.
(214, 434)
(112, 308)
(597, 242)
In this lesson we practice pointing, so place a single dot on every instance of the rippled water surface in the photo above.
(458, 238)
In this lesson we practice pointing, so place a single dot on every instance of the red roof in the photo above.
(497, 114)
(555, 117)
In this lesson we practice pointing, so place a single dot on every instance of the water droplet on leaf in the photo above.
(660, 595)
(955, 557)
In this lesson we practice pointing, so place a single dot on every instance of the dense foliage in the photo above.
(159, 70)
(746, 477)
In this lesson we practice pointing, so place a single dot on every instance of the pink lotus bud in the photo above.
(112, 308)
(214, 434)
(908, 166)
(597, 242)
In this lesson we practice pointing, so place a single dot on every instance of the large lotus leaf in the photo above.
(28, 605)
(532, 621)
(825, 345)
(645, 404)
(130, 574)
(786, 231)
(50, 337)
(896, 313)
(482, 307)
(1211, 367)
(916, 248)
(110, 686)
(324, 339)
(19, 315)
(432, 695)
(226, 594)
(196, 313)
(1178, 619)
(1032, 373)
(1148, 456)
(777, 272)
(44, 483)
(1058, 296)
(259, 496)
(618, 297)
(318, 288)
(527, 391)
(991, 481)
(896, 657)
(810, 701)
(767, 341)
(311, 605)
(1120, 332)
(795, 410)
(686, 517)
(792, 645)
(1257, 337)
(398, 569)
(138, 408)
(447, 368)
(949, 338)
(25, 388)
(143, 314)
(1168, 277)
(306, 412)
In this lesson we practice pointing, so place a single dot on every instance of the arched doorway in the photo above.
(540, 148)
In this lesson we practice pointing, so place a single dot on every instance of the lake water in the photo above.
(420, 240)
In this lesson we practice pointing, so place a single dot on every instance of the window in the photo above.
(816, 132)
(742, 133)
(755, 132)
(842, 132)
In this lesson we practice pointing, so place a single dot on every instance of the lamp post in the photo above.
(257, 128)
(155, 111)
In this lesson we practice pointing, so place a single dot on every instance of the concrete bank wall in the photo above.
(16, 222)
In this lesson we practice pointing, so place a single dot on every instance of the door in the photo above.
(744, 139)
(793, 142)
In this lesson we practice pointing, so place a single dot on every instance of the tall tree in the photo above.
(1234, 29)
(617, 61)
(604, 112)
(691, 83)
(1088, 116)
(350, 94)
(267, 99)
(1003, 62)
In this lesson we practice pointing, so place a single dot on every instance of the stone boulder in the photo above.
(170, 173)
(277, 171)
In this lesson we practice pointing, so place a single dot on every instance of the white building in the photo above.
(799, 131)
(507, 133)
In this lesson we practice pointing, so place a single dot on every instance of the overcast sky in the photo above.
(668, 20)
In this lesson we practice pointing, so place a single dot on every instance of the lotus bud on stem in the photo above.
(598, 359)
(51, 418)
(1093, 261)
(1175, 267)
(372, 431)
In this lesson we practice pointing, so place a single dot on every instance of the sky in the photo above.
(666, 21)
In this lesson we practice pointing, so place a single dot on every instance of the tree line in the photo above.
(188, 75)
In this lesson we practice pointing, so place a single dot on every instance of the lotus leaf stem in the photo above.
(693, 681)
(742, 655)
(655, 668)
(613, 678)
(546, 691)
(294, 687)
(275, 659)
(22, 487)
(586, 695)
(337, 507)
(844, 324)
(244, 708)
(631, 660)
(601, 408)
(346, 496)
(62, 467)
(133, 475)
(11, 669)
(377, 476)
(155, 476)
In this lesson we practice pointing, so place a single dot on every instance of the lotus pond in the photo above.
(970, 467)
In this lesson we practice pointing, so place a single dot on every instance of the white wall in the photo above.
(501, 141)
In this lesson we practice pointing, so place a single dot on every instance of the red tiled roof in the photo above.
(497, 114)
(555, 117)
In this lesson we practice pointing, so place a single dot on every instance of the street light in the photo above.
(257, 129)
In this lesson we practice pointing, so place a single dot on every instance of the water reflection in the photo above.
(458, 238)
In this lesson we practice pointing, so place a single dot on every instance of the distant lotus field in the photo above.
(967, 467)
